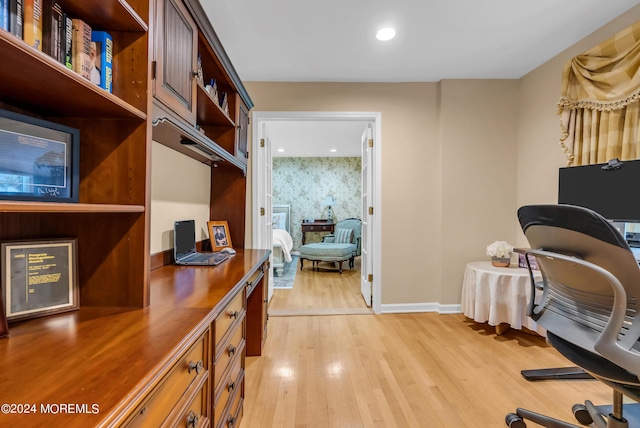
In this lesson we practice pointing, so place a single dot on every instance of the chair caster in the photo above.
(514, 421)
(582, 414)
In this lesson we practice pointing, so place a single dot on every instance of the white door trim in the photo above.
(259, 117)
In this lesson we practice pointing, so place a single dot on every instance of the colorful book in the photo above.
(32, 23)
(102, 45)
(81, 48)
(4, 14)
(67, 41)
(16, 17)
(52, 29)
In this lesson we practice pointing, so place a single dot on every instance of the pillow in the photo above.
(279, 220)
(343, 236)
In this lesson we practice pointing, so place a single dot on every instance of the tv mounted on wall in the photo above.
(609, 189)
(39, 160)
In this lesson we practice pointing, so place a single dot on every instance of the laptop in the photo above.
(184, 246)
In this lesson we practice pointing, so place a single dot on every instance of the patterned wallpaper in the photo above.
(303, 183)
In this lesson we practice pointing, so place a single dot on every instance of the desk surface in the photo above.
(498, 295)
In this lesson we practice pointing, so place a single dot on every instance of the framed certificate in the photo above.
(39, 278)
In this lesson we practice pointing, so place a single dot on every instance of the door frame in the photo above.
(260, 117)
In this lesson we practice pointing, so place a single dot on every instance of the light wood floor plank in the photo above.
(394, 370)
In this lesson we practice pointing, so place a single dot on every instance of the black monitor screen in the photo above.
(184, 235)
(611, 192)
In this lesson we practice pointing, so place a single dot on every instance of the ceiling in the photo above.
(333, 40)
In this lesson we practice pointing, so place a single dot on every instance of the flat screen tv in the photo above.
(609, 191)
(39, 160)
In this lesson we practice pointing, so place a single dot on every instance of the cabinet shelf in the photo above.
(60, 207)
(210, 112)
(115, 15)
(52, 89)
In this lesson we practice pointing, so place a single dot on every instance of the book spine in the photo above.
(16, 18)
(67, 41)
(81, 48)
(32, 23)
(4, 14)
(51, 17)
(103, 67)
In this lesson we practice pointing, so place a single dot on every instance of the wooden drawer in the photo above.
(227, 317)
(167, 393)
(233, 382)
(233, 413)
(196, 413)
(235, 346)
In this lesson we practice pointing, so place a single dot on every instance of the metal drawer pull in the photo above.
(231, 386)
(233, 314)
(196, 366)
(192, 420)
(232, 350)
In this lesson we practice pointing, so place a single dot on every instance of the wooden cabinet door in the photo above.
(242, 123)
(176, 59)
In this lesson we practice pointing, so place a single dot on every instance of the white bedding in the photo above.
(283, 238)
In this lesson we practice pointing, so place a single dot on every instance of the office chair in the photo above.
(589, 304)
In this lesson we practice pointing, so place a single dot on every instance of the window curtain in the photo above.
(598, 107)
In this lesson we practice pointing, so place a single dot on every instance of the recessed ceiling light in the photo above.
(281, 150)
(333, 150)
(385, 34)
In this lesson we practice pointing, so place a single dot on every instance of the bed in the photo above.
(282, 241)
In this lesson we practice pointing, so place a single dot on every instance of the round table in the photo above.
(498, 295)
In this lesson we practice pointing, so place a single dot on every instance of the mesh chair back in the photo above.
(578, 298)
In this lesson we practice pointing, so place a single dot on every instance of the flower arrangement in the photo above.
(500, 250)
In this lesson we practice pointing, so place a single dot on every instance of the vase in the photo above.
(498, 262)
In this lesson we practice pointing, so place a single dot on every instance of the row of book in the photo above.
(43, 25)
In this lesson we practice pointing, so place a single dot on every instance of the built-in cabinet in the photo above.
(171, 342)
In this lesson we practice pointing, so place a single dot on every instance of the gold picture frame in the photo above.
(39, 278)
(219, 235)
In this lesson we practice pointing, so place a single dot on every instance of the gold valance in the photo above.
(597, 88)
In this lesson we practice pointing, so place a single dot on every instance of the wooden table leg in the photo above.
(501, 328)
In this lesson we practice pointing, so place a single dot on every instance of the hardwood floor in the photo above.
(397, 370)
(321, 292)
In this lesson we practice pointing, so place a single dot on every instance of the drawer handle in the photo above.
(231, 421)
(232, 350)
(231, 386)
(196, 366)
(233, 314)
(192, 420)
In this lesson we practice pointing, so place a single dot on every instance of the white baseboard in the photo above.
(420, 307)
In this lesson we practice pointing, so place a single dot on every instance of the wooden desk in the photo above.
(498, 295)
(108, 364)
(317, 226)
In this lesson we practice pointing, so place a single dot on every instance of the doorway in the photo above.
(261, 223)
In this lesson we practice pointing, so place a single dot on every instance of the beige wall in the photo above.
(172, 199)
(458, 159)
(538, 150)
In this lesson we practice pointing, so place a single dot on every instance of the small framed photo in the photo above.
(39, 278)
(219, 235)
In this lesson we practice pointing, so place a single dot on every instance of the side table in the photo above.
(499, 296)
(317, 226)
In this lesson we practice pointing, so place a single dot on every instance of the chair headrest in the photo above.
(571, 217)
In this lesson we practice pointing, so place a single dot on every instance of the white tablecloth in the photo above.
(498, 295)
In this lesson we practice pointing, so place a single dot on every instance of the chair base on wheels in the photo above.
(611, 416)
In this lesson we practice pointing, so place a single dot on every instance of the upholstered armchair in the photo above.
(342, 233)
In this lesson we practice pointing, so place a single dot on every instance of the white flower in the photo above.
(500, 249)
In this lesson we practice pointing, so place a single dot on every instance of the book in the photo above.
(4, 14)
(52, 29)
(16, 17)
(81, 48)
(32, 23)
(67, 41)
(102, 51)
